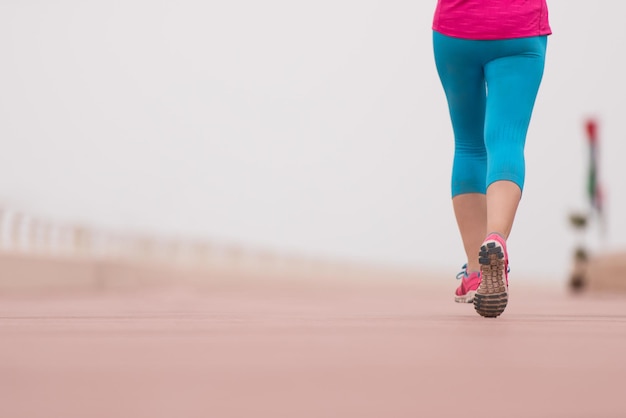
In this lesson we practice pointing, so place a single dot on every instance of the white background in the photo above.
(315, 127)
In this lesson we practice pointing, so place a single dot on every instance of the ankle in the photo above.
(502, 236)
(472, 269)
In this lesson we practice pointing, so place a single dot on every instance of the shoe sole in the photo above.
(492, 295)
(467, 298)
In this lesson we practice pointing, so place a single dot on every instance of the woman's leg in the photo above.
(513, 82)
(470, 210)
(460, 69)
(502, 201)
(513, 79)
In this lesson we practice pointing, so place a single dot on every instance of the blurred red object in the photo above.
(592, 130)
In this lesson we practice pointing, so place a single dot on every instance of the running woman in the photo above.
(490, 57)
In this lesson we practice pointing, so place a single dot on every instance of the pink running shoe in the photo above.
(492, 295)
(469, 283)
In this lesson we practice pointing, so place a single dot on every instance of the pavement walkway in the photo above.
(397, 348)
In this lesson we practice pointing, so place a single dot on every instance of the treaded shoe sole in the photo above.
(466, 298)
(492, 295)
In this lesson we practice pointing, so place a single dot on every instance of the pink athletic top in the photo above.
(491, 19)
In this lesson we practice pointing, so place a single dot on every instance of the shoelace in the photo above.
(462, 273)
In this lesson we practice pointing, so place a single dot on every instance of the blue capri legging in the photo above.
(491, 88)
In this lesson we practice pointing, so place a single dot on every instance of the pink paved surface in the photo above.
(396, 349)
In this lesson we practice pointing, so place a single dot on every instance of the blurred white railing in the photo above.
(25, 234)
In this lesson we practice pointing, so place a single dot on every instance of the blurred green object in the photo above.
(578, 220)
(581, 255)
